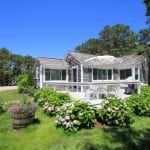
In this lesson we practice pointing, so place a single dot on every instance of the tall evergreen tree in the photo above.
(147, 4)
(146, 38)
(116, 40)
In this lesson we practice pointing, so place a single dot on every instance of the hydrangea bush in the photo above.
(75, 115)
(114, 112)
(140, 104)
(51, 100)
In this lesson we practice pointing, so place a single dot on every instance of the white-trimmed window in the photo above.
(125, 73)
(55, 74)
(102, 74)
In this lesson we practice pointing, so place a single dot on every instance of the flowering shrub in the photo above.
(114, 112)
(51, 100)
(24, 105)
(75, 115)
(140, 104)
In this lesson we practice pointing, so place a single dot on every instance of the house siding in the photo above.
(36, 80)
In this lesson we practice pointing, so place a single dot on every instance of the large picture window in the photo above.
(55, 74)
(102, 74)
(125, 73)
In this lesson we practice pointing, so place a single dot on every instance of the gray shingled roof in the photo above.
(127, 60)
(53, 62)
(81, 57)
(134, 60)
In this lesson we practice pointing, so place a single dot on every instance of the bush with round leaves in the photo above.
(140, 103)
(75, 116)
(51, 100)
(115, 112)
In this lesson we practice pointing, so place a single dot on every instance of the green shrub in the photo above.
(140, 104)
(26, 84)
(42, 95)
(2, 107)
(76, 115)
(145, 90)
(50, 99)
(58, 99)
(115, 112)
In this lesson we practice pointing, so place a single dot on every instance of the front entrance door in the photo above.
(74, 74)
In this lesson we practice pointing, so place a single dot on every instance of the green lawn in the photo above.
(43, 135)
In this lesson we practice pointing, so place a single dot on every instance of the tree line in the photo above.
(117, 40)
(12, 65)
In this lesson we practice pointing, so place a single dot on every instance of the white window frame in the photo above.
(106, 75)
(55, 80)
(137, 73)
(125, 69)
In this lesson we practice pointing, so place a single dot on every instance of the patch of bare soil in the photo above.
(99, 125)
(4, 88)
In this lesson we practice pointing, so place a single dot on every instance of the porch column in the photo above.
(41, 77)
(133, 73)
(119, 74)
(112, 76)
(139, 74)
(139, 88)
(67, 79)
(81, 77)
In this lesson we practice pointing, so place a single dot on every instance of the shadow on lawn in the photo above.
(36, 121)
(129, 138)
(125, 138)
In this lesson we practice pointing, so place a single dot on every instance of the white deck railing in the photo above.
(80, 86)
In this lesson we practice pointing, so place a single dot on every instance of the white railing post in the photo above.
(41, 77)
(133, 73)
(81, 77)
(139, 88)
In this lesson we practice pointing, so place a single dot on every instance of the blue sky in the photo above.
(51, 28)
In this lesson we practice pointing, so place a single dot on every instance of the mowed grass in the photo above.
(43, 134)
(9, 95)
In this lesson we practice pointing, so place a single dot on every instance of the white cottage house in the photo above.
(78, 71)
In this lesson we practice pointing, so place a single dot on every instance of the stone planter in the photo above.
(22, 119)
